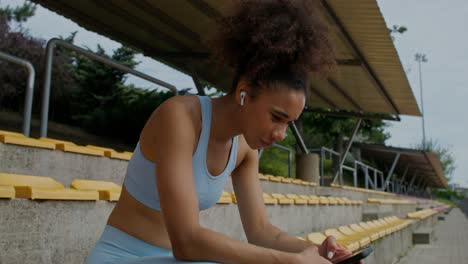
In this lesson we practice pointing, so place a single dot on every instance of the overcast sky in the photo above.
(435, 28)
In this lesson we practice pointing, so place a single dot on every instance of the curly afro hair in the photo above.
(270, 41)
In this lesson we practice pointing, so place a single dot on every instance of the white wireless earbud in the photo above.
(242, 96)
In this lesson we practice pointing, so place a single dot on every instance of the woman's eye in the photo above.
(275, 118)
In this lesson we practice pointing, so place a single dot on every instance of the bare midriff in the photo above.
(140, 221)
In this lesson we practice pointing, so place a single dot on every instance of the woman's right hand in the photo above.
(311, 255)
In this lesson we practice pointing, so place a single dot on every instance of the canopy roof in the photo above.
(369, 79)
(425, 165)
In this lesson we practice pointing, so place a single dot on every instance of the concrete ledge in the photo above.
(375, 211)
(62, 166)
(65, 231)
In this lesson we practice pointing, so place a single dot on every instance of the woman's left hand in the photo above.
(333, 251)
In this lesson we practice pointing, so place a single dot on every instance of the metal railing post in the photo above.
(28, 99)
(355, 176)
(275, 145)
(48, 75)
(322, 169)
(299, 139)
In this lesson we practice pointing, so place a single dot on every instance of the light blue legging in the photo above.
(116, 246)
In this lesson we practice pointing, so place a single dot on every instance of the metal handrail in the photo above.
(48, 75)
(289, 157)
(28, 99)
(323, 151)
(367, 167)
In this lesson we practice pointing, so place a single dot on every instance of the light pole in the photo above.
(421, 57)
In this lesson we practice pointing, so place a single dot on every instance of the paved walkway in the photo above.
(450, 245)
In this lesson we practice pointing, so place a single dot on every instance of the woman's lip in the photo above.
(266, 143)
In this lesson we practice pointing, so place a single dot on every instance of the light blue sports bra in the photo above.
(140, 180)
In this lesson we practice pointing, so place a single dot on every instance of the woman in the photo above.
(190, 145)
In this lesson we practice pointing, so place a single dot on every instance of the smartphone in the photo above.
(356, 256)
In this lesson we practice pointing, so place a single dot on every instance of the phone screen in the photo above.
(355, 257)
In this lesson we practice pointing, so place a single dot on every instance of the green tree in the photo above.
(274, 161)
(396, 29)
(445, 154)
(18, 14)
(323, 130)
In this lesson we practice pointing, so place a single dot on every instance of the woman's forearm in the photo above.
(272, 237)
(208, 245)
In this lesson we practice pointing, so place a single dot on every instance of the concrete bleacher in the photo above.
(55, 202)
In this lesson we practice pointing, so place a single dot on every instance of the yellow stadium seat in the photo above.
(336, 186)
(262, 177)
(373, 228)
(113, 154)
(382, 226)
(296, 199)
(358, 229)
(310, 199)
(281, 198)
(363, 239)
(107, 190)
(340, 201)
(351, 243)
(305, 183)
(67, 146)
(323, 200)
(233, 196)
(312, 183)
(225, 198)
(286, 180)
(332, 201)
(7, 192)
(297, 181)
(21, 140)
(316, 238)
(314, 199)
(422, 214)
(347, 200)
(37, 187)
(268, 199)
(373, 200)
(274, 178)
(393, 226)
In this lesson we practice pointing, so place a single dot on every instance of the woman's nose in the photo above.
(280, 133)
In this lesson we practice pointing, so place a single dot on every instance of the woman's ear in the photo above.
(242, 90)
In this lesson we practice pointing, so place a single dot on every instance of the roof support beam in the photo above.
(390, 173)
(198, 84)
(412, 181)
(348, 147)
(323, 97)
(404, 173)
(420, 182)
(205, 8)
(345, 94)
(350, 114)
(361, 57)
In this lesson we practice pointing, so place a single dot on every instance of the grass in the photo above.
(446, 201)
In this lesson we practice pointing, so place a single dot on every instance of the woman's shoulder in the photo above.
(180, 113)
